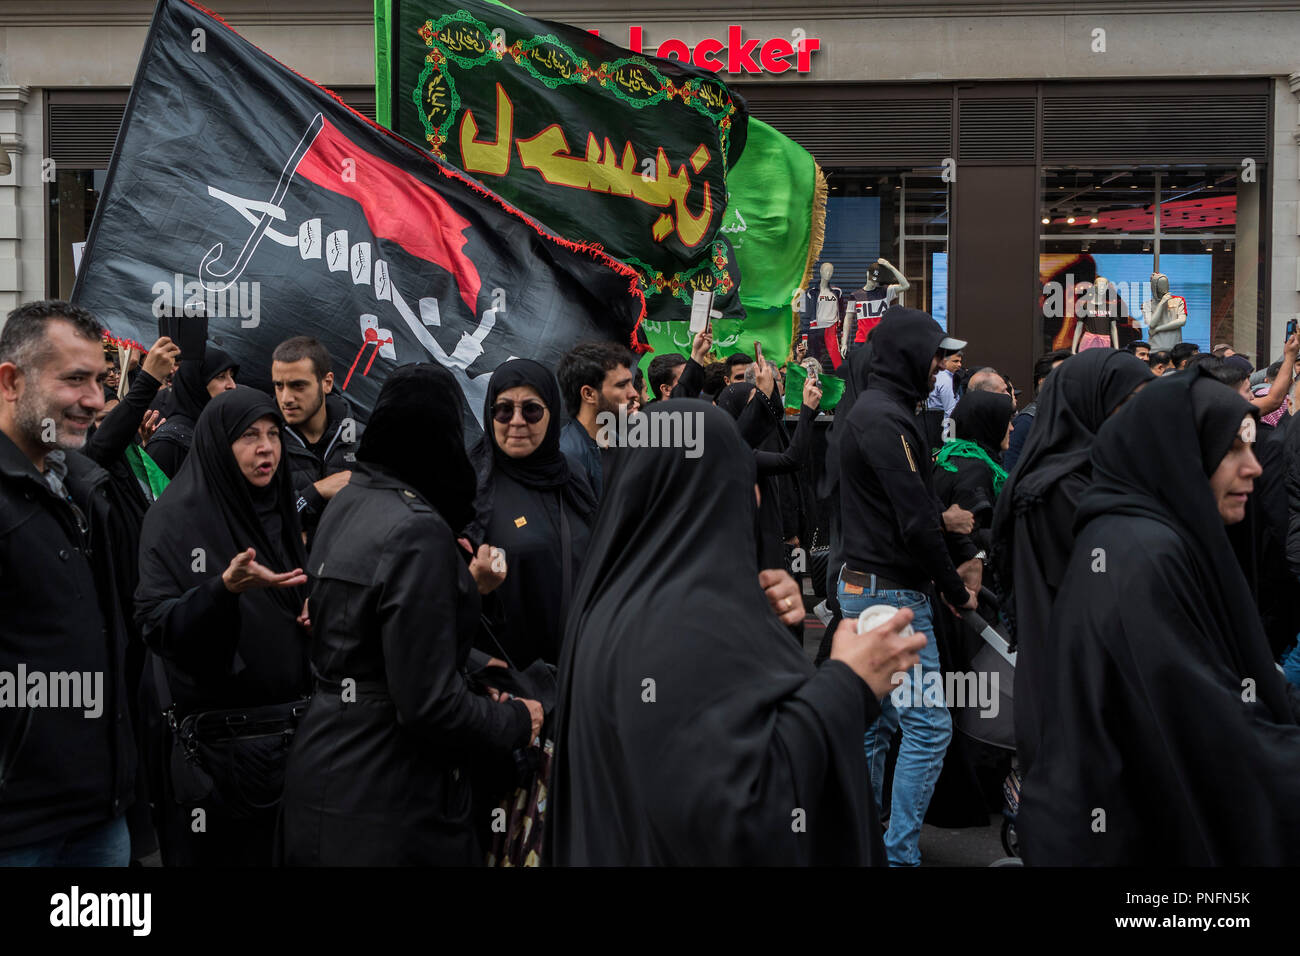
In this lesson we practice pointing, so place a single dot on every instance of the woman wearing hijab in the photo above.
(536, 507)
(968, 473)
(690, 730)
(1171, 739)
(774, 456)
(193, 386)
(220, 594)
(376, 775)
(1034, 519)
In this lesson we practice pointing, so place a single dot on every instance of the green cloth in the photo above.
(962, 448)
(796, 375)
(775, 218)
(146, 470)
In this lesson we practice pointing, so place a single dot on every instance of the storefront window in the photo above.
(1198, 226)
(899, 215)
(73, 197)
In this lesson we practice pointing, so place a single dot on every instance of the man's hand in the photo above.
(972, 574)
(245, 574)
(702, 345)
(957, 520)
(331, 485)
(765, 380)
(487, 565)
(535, 713)
(879, 654)
(972, 603)
(304, 619)
(812, 392)
(151, 422)
(1292, 348)
(162, 358)
(801, 351)
(783, 594)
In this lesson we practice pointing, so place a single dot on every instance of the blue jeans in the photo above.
(102, 844)
(924, 721)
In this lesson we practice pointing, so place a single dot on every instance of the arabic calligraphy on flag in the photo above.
(237, 182)
(601, 144)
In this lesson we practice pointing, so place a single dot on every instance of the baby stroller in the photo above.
(995, 656)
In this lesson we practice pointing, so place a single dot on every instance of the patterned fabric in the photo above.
(519, 842)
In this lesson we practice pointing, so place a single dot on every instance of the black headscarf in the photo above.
(743, 728)
(734, 398)
(1075, 401)
(417, 432)
(982, 417)
(211, 505)
(1153, 473)
(1165, 696)
(547, 468)
(190, 383)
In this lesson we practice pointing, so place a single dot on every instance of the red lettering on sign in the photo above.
(703, 56)
(673, 45)
(806, 48)
(772, 55)
(740, 53)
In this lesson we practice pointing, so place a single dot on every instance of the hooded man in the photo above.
(895, 554)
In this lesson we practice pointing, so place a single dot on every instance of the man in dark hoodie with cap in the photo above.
(894, 554)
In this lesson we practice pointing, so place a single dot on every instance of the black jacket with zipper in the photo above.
(60, 770)
(343, 436)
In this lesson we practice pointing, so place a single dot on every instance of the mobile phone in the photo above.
(1290, 328)
(701, 306)
(190, 332)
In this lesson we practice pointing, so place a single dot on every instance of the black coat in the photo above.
(60, 770)
(382, 780)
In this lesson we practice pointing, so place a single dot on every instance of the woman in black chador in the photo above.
(690, 729)
(220, 593)
(1171, 738)
(1034, 519)
(377, 775)
(534, 505)
(193, 386)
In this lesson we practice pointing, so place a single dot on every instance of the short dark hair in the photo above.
(1229, 373)
(1183, 351)
(1274, 370)
(740, 358)
(23, 339)
(1159, 358)
(1043, 367)
(587, 364)
(715, 379)
(305, 347)
(1134, 346)
(661, 370)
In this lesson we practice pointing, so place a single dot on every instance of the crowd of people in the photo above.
(315, 636)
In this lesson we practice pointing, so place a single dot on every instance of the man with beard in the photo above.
(66, 780)
(321, 439)
(595, 377)
(895, 554)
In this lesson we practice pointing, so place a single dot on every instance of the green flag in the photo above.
(776, 214)
(600, 144)
(796, 375)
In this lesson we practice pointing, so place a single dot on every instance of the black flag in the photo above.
(240, 190)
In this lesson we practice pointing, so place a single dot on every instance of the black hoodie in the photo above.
(889, 513)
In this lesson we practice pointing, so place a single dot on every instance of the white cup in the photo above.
(876, 616)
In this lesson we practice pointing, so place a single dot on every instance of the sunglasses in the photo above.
(504, 412)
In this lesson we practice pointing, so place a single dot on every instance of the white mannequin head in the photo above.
(826, 271)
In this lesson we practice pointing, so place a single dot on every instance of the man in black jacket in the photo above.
(895, 554)
(67, 760)
(321, 437)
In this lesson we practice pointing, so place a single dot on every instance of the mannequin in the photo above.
(1164, 315)
(823, 343)
(1097, 327)
(868, 304)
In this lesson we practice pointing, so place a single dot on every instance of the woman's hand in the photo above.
(535, 714)
(151, 422)
(245, 574)
(488, 566)
(783, 594)
(812, 392)
(881, 654)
